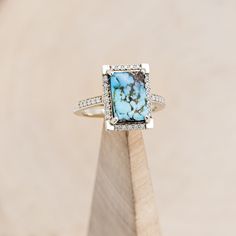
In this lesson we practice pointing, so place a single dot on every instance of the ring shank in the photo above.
(94, 107)
(95, 111)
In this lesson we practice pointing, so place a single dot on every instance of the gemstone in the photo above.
(129, 99)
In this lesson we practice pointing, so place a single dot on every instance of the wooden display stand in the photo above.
(123, 201)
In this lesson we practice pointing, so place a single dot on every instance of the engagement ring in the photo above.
(127, 102)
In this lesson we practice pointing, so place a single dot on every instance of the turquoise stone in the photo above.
(129, 101)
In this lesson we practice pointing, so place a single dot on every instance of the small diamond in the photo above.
(147, 79)
(107, 116)
(105, 79)
(106, 100)
(119, 127)
(97, 99)
(107, 106)
(106, 91)
(135, 66)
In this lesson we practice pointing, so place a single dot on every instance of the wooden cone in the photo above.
(123, 201)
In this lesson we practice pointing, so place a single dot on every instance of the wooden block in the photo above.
(123, 201)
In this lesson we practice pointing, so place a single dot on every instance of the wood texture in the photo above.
(123, 201)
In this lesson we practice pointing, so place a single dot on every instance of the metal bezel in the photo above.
(110, 123)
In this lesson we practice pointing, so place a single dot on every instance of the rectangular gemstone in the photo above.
(128, 92)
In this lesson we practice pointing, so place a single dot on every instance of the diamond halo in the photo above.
(111, 121)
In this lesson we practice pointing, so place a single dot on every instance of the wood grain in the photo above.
(123, 200)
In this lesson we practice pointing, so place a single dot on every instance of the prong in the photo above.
(147, 119)
(105, 68)
(150, 123)
(108, 125)
(109, 72)
(143, 71)
(114, 120)
(145, 68)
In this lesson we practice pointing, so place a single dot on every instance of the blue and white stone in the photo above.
(129, 101)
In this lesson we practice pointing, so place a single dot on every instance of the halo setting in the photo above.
(127, 97)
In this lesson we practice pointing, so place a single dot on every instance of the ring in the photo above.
(127, 102)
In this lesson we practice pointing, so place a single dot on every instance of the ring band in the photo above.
(94, 107)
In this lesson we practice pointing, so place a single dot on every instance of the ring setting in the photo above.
(127, 98)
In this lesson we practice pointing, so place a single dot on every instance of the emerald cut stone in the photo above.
(129, 100)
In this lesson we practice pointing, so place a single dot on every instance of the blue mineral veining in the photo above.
(129, 101)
